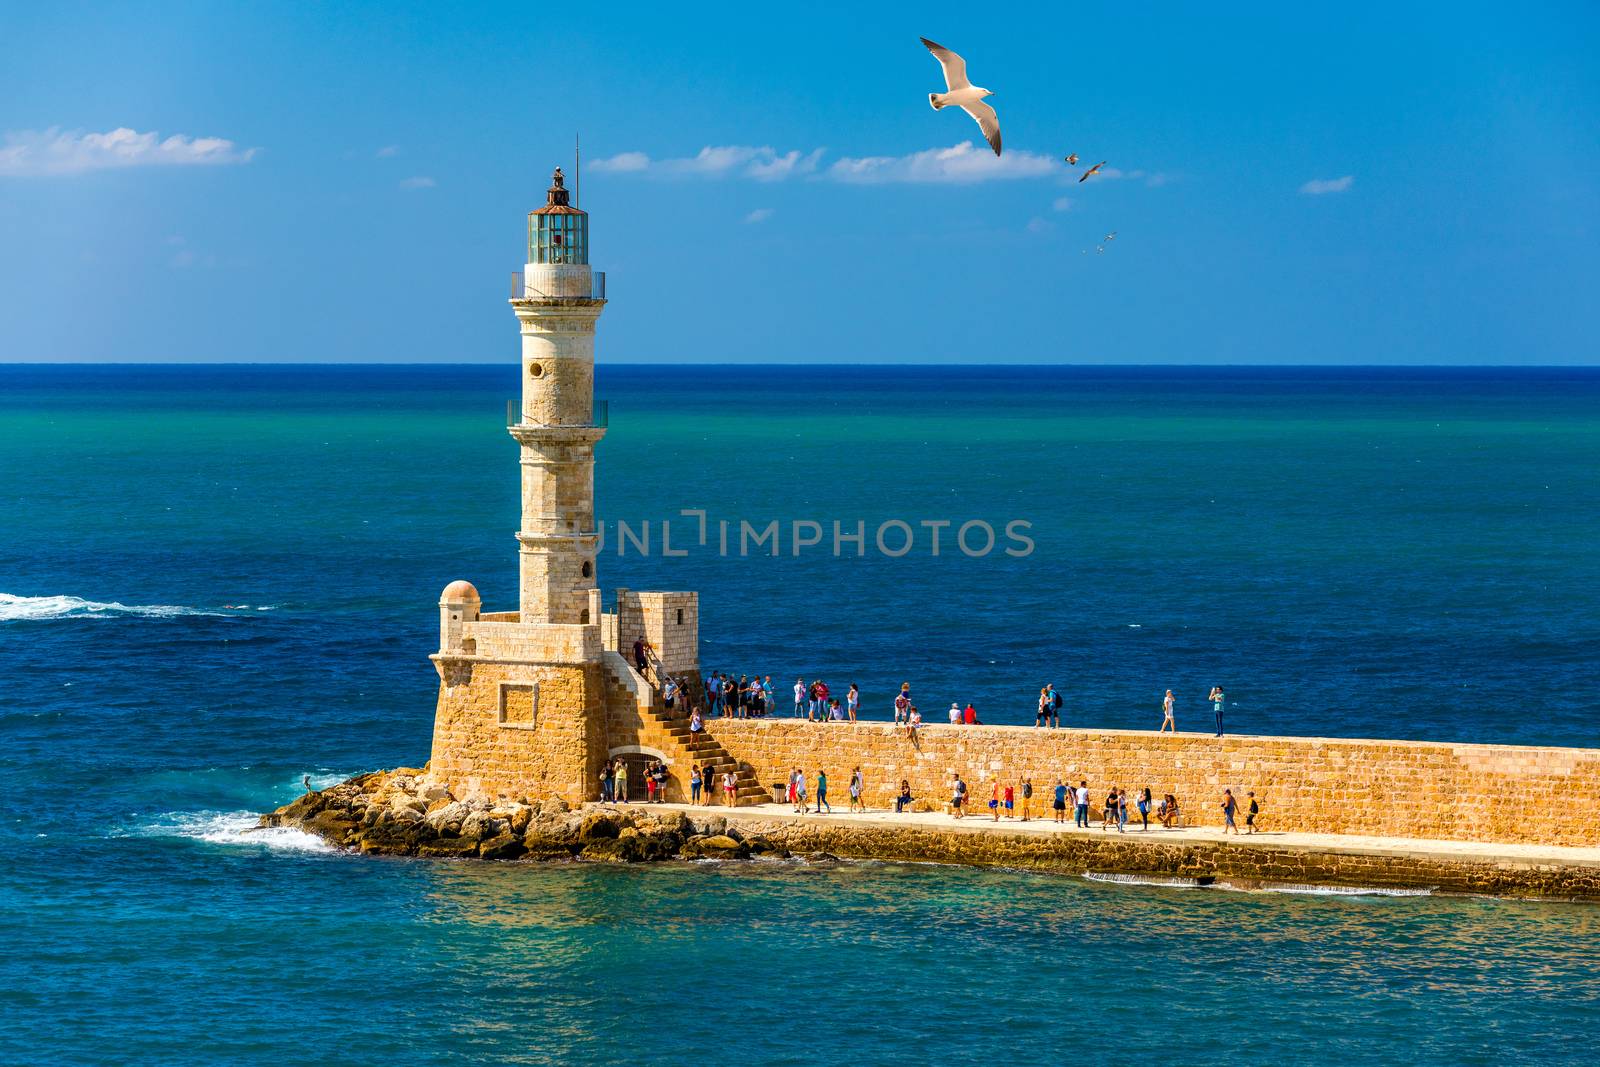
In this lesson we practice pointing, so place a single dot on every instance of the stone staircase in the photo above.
(637, 715)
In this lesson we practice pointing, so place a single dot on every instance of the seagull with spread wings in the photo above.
(1090, 171)
(963, 94)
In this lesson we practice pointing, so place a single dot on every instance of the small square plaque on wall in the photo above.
(519, 705)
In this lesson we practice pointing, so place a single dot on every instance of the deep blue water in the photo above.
(1351, 552)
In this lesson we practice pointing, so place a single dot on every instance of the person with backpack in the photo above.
(1055, 705)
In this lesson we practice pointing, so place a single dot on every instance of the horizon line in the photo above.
(828, 365)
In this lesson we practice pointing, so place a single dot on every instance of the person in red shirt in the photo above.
(970, 716)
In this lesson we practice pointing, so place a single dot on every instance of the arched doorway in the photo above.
(638, 759)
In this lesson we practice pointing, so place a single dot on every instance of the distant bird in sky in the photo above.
(1090, 171)
(1112, 236)
(1073, 159)
(1099, 249)
(963, 94)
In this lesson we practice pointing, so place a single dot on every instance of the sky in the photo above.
(1288, 184)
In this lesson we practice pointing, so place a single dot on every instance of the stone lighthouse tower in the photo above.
(557, 302)
(532, 702)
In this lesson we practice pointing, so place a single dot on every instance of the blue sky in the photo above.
(346, 183)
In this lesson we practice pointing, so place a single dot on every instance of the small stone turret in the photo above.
(458, 605)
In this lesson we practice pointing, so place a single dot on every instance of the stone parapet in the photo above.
(1406, 789)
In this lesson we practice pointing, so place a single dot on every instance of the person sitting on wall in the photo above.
(903, 801)
(970, 716)
(1168, 812)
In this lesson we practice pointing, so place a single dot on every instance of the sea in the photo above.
(218, 581)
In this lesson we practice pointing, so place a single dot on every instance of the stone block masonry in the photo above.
(1406, 789)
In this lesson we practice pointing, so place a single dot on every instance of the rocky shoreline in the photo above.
(401, 813)
(404, 813)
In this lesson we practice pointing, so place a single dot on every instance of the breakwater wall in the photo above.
(1412, 789)
(399, 813)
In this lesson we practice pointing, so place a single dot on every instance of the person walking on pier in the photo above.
(852, 701)
(1041, 714)
(1230, 808)
(958, 797)
(1144, 808)
(694, 783)
(1218, 699)
(799, 697)
(857, 785)
(1055, 705)
(730, 787)
(822, 793)
(1081, 802)
(1027, 798)
(1060, 802)
(1122, 811)
(1108, 814)
(622, 782)
(1251, 812)
(1166, 714)
(994, 800)
(1011, 800)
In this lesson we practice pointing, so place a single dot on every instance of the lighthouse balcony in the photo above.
(559, 284)
(599, 418)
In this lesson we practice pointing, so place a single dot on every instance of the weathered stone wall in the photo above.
(1321, 785)
(1247, 861)
(539, 747)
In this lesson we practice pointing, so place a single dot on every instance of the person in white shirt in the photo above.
(1081, 817)
(799, 697)
(955, 714)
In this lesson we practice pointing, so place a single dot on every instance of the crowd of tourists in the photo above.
(753, 696)
(1115, 807)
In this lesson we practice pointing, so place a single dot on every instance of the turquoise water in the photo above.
(216, 580)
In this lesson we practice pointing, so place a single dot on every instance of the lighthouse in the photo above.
(557, 298)
(533, 702)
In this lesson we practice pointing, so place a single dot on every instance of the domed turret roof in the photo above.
(459, 590)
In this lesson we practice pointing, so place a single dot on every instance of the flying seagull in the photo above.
(1073, 159)
(1090, 171)
(1112, 236)
(964, 94)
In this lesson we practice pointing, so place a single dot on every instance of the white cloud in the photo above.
(1320, 186)
(760, 214)
(388, 151)
(762, 163)
(420, 181)
(30, 153)
(780, 167)
(1061, 203)
(966, 163)
(624, 163)
(1039, 225)
(962, 163)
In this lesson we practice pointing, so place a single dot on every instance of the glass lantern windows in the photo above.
(558, 237)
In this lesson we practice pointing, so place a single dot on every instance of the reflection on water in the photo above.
(901, 955)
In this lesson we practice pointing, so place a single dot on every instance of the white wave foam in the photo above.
(228, 828)
(1292, 888)
(1143, 879)
(1345, 890)
(36, 608)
